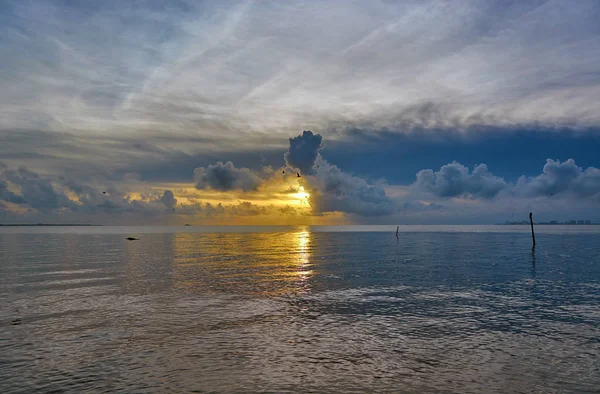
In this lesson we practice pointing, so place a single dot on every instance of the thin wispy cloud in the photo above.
(270, 66)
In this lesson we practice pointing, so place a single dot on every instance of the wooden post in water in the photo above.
(397, 228)
(532, 233)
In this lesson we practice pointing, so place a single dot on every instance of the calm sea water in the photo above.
(275, 309)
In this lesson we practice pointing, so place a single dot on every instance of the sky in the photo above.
(299, 112)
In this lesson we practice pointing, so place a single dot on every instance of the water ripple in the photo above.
(299, 311)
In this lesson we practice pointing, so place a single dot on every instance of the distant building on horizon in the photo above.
(568, 222)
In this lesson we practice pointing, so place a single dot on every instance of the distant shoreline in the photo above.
(50, 225)
(285, 225)
(548, 224)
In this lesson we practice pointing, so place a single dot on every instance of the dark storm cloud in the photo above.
(225, 177)
(303, 151)
(168, 199)
(455, 180)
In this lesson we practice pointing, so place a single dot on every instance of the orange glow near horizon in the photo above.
(275, 192)
(280, 200)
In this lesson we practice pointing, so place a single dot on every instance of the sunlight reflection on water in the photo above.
(299, 311)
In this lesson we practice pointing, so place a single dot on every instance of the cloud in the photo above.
(246, 208)
(562, 178)
(242, 208)
(303, 152)
(168, 199)
(417, 206)
(25, 194)
(225, 177)
(8, 195)
(331, 189)
(251, 66)
(35, 191)
(557, 179)
(111, 200)
(288, 210)
(93, 91)
(27, 188)
(455, 180)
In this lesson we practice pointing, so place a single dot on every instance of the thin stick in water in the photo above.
(397, 228)
(532, 233)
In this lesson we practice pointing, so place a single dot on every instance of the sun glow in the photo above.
(302, 195)
(279, 200)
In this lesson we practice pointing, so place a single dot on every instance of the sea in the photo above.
(340, 309)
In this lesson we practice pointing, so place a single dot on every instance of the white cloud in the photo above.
(454, 180)
(563, 179)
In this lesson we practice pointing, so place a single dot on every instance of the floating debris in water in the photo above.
(16, 322)
(132, 239)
